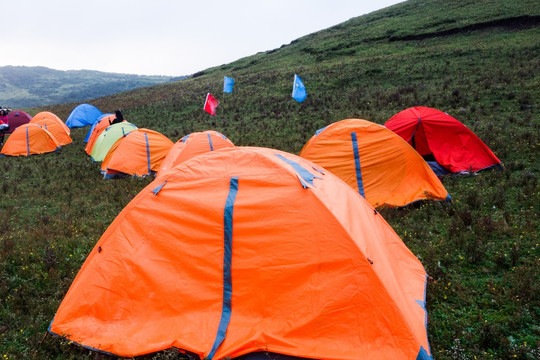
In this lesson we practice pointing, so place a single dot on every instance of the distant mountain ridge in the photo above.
(24, 86)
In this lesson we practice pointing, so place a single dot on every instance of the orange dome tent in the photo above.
(375, 162)
(248, 250)
(192, 145)
(50, 116)
(447, 144)
(138, 153)
(56, 129)
(96, 130)
(29, 139)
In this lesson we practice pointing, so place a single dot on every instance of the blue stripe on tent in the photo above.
(227, 258)
(184, 138)
(423, 354)
(27, 143)
(148, 154)
(359, 181)
(158, 189)
(305, 176)
(210, 142)
(320, 131)
(223, 136)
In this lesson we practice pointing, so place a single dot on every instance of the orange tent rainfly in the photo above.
(55, 128)
(192, 145)
(248, 250)
(29, 139)
(50, 116)
(447, 144)
(138, 153)
(375, 162)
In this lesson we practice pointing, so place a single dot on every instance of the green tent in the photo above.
(108, 137)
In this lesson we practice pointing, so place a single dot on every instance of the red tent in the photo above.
(17, 118)
(440, 137)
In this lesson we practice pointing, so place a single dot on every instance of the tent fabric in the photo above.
(251, 250)
(139, 153)
(29, 139)
(96, 130)
(192, 145)
(17, 118)
(375, 162)
(436, 134)
(83, 115)
(56, 129)
(47, 115)
(91, 130)
(108, 137)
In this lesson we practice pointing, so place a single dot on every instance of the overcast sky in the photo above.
(160, 37)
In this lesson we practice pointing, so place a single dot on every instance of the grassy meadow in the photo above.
(479, 61)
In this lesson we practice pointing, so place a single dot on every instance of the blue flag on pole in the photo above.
(228, 84)
(299, 90)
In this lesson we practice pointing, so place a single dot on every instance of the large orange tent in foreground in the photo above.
(139, 153)
(375, 162)
(29, 139)
(192, 145)
(249, 250)
(444, 141)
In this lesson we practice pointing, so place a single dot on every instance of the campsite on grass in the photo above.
(391, 211)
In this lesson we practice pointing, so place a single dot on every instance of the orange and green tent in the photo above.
(29, 139)
(108, 137)
(55, 128)
(192, 145)
(139, 153)
(248, 250)
(375, 162)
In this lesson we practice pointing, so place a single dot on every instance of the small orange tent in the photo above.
(104, 123)
(138, 153)
(50, 116)
(192, 145)
(374, 161)
(55, 128)
(244, 250)
(29, 139)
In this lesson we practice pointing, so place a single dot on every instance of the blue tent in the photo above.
(83, 115)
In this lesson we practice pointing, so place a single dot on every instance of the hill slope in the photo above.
(478, 61)
(23, 86)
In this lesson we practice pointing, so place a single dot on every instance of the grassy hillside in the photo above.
(23, 86)
(479, 61)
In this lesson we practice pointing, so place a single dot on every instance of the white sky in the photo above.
(160, 37)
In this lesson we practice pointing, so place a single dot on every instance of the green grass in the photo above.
(481, 253)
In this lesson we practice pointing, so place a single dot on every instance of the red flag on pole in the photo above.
(211, 104)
